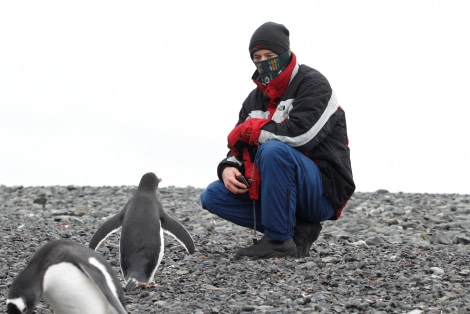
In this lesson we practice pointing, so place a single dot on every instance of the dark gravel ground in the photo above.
(388, 253)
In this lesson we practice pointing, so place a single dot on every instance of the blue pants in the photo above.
(291, 188)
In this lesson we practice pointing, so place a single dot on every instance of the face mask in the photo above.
(269, 69)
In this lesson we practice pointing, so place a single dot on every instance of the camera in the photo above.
(243, 180)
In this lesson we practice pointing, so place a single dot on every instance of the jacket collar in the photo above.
(276, 88)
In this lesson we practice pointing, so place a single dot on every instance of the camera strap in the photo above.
(255, 238)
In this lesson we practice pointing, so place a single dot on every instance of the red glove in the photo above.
(246, 132)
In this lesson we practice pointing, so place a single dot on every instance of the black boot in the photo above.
(305, 233)
(267, 248)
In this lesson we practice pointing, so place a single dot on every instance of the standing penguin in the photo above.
(143, 223)
(71, 277)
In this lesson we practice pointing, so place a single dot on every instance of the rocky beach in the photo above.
(388, 253)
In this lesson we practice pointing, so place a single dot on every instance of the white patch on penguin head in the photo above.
(19, 303)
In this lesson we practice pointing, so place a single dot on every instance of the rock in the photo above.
(440, 237)
(437, 270)
(388, 253)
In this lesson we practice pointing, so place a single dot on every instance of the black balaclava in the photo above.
(269, 69)
(275, 37)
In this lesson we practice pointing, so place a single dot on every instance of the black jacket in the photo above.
(313, 123)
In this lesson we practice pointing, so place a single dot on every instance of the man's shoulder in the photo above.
(309, 71)
(308, 74)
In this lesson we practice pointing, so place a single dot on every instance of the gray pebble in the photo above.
(388, 253)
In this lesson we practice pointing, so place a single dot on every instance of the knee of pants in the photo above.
(207, 197)
(270, 149)
(203, 198)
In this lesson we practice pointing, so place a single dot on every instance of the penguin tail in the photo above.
(131, 284)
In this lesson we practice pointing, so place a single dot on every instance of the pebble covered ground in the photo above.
(388, 253)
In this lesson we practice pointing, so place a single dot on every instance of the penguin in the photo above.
(71, 277)
(142, 222)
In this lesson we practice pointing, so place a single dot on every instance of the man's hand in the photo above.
(229, 176)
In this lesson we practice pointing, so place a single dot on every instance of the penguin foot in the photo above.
(132, 285)
(148, 285)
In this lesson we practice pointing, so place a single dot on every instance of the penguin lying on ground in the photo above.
(71, 277)
(143, 223)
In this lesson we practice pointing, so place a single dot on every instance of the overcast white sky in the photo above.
(100, 92)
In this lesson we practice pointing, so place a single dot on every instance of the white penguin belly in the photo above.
(68, 290)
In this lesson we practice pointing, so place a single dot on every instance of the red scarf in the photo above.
(274, 90)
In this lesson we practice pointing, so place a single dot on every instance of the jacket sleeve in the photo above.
(230, 160)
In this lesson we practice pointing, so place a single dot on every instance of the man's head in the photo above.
(270, 36)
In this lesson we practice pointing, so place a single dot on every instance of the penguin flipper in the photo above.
(110, 226)
(98, 273)
(174, 228)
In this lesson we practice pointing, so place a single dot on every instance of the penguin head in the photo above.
(26, 291)
(20, 305)
(149, 181)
